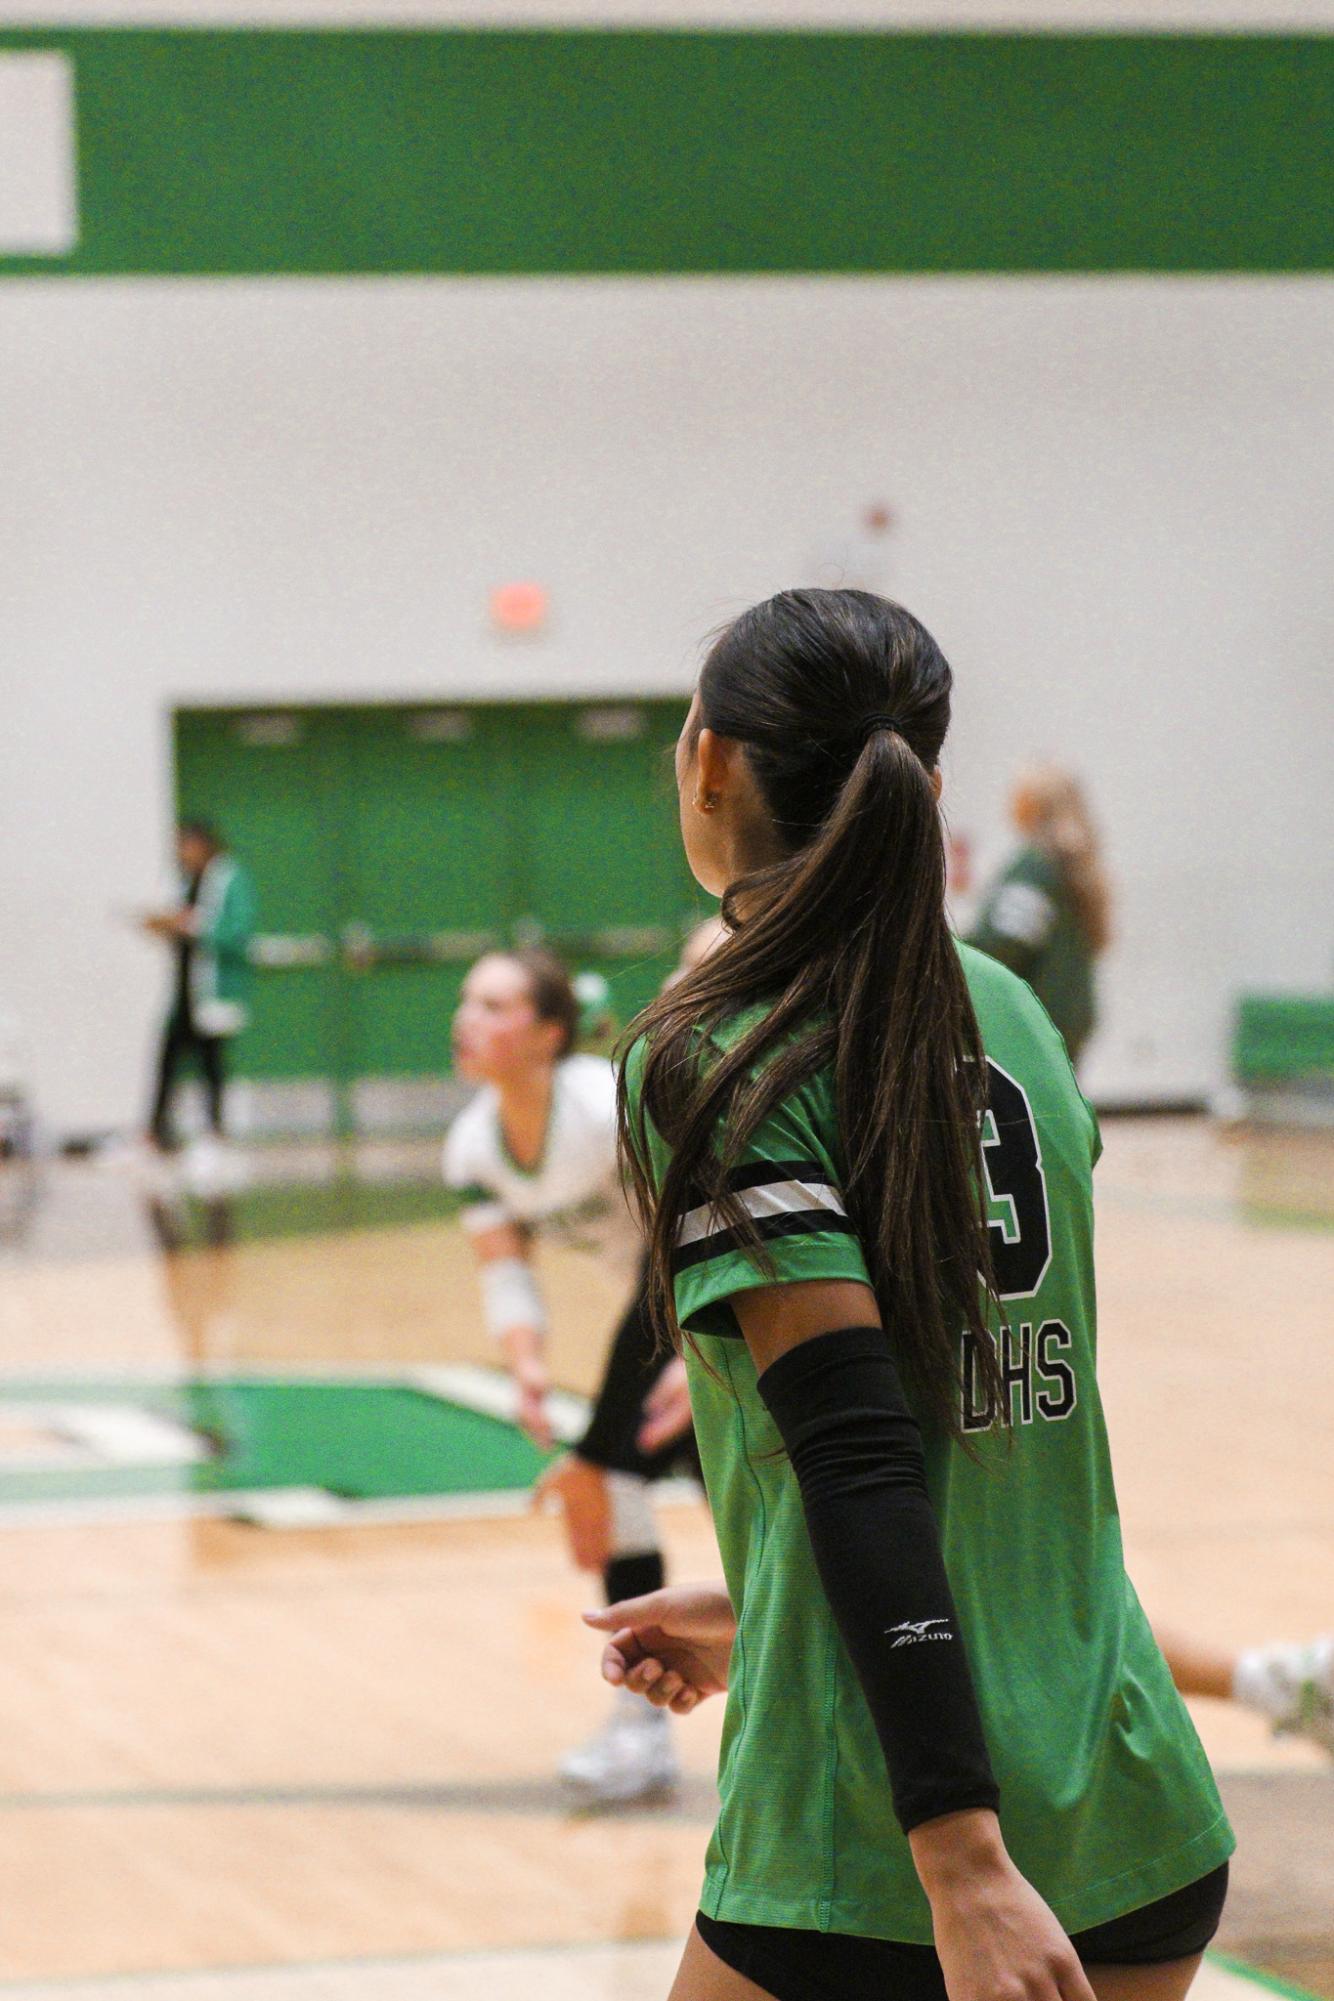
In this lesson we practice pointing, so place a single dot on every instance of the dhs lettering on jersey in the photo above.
(1035, 1375)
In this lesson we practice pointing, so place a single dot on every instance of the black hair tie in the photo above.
(882, 722)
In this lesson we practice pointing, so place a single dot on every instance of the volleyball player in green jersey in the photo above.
(1047, 916)
(953, 1757)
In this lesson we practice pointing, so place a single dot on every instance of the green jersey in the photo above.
(1107, 1800)
(1031, 923)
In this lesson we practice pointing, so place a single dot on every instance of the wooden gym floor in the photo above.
(263, 1764)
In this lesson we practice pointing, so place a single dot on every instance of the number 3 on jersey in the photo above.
(1012, 1163)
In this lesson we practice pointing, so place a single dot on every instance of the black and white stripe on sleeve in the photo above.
(784, 1198)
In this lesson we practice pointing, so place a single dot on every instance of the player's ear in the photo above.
(553, 1035)
(716, 760)
(937, 783)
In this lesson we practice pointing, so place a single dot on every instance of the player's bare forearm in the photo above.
(516, 1317)
(954, 1847)
(511, 1300)
(993, 1932)
(522, 1348)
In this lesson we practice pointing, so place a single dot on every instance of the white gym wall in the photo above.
(1113, 502)
(1112, 495)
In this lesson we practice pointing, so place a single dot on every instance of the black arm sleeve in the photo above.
(633, 1366)
(857, 1454)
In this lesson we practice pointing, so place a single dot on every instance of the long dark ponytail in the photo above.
(842, 702)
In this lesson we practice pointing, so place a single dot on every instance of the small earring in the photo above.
(705, 802)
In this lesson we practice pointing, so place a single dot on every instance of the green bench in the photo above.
(1283, 1057)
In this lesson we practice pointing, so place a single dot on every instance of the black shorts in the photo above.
(633, 1366)
(833, 1966)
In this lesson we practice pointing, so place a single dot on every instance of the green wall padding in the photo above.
(244, 151)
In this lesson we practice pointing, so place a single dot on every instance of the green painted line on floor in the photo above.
(1271, 1982)
(88, 1439)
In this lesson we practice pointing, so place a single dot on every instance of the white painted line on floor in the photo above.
(264, 1506)
(308, 1507)
(124, 1434)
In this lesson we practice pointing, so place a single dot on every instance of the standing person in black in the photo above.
(209, 931)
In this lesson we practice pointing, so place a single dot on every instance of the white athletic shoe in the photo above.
(1293, 1686)
(632, 1757)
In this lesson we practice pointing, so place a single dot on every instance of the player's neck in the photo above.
(525, 1113)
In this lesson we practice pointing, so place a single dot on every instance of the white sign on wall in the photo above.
(38, 188)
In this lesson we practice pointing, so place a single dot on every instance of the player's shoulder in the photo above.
(990, 982)
(469, 1143)
(1020, 1036)
(709, 1042)
(1005, 1005)
(589, 1082)
(806, 1110)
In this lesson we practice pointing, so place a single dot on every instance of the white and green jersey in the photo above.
(1107, 1800)
(574, 1190)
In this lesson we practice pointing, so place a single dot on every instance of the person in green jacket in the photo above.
(209, 929)
(1047, 916)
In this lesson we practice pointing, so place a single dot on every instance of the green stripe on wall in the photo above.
(261, 151)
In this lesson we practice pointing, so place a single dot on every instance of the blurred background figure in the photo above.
(15, 1108)
(1289, 1683)
(1048, 914)
(702, 940)
(18, 1186)
(598, 1025)
(209, 931)
(534, 1152)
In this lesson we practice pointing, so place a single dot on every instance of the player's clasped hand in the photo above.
(673, 1647)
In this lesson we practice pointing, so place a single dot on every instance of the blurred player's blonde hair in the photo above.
(1048, 807)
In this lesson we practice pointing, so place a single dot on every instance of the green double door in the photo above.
(391, 846)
